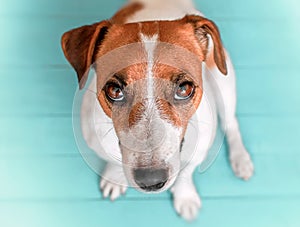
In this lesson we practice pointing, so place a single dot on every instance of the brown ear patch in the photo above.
(205, 27)
(79, 47)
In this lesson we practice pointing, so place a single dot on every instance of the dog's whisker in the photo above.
(108, 131)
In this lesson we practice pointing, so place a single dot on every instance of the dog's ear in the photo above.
(79, 47)
(204, 27)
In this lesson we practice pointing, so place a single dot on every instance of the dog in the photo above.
(159, 66)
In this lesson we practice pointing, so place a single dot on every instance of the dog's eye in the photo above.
(184, 90)
(114, 92)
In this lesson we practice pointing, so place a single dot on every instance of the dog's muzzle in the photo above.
(150, 179)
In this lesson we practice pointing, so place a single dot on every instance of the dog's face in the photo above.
(150, 88)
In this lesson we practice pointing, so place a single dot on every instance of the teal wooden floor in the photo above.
(45, 182)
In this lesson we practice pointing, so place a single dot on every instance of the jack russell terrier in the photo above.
(159, 66)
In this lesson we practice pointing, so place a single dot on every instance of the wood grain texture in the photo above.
(42, 35)
(216, 212)
(68, 177)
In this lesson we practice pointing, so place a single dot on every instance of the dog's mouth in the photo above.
(151, 172)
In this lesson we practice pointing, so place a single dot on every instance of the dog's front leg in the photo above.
(240, 159)
(186, 199)
(113, 182)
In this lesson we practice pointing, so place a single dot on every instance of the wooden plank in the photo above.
(253, 10)
(37, 136)
(258, 212)
(256, 43)
(51, 91)
(40, 136)
(56, 178)
(250, 43)
(270, 135)
(42, 39)
(37, 91)
(53, 136)
(275, 175)
(219, 8)
(268, 92)
(56, 7)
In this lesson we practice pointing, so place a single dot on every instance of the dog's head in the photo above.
(150, 86)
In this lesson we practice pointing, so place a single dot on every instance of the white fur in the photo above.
(97, 127)
(149, 44)
(163, 10)
(164, 136)
(186, 198)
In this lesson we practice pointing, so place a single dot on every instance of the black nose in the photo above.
(150, 179)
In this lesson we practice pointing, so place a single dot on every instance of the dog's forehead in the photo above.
(172, 46)
(136, 72)
(174, 32)
(148, 55)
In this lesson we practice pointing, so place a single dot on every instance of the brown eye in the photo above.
(114, 92)
(184, 90)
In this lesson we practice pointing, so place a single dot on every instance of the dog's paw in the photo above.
(242, 165)
(112, 190)
(187, 206)
(186, 201)
(113, 182)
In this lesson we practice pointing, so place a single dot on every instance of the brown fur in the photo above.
(169, 112)
(209, 27)
(149, 28)
(78, 46)
(136, 114)
(131, 74)
(84, 45)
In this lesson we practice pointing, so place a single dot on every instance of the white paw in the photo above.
(242, 165)
(186, 202)
(113, 182)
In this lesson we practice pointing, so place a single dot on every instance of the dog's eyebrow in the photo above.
(120, 78)
(177, 77)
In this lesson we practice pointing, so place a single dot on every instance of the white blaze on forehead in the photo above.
(149, 44)
(152, 139)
